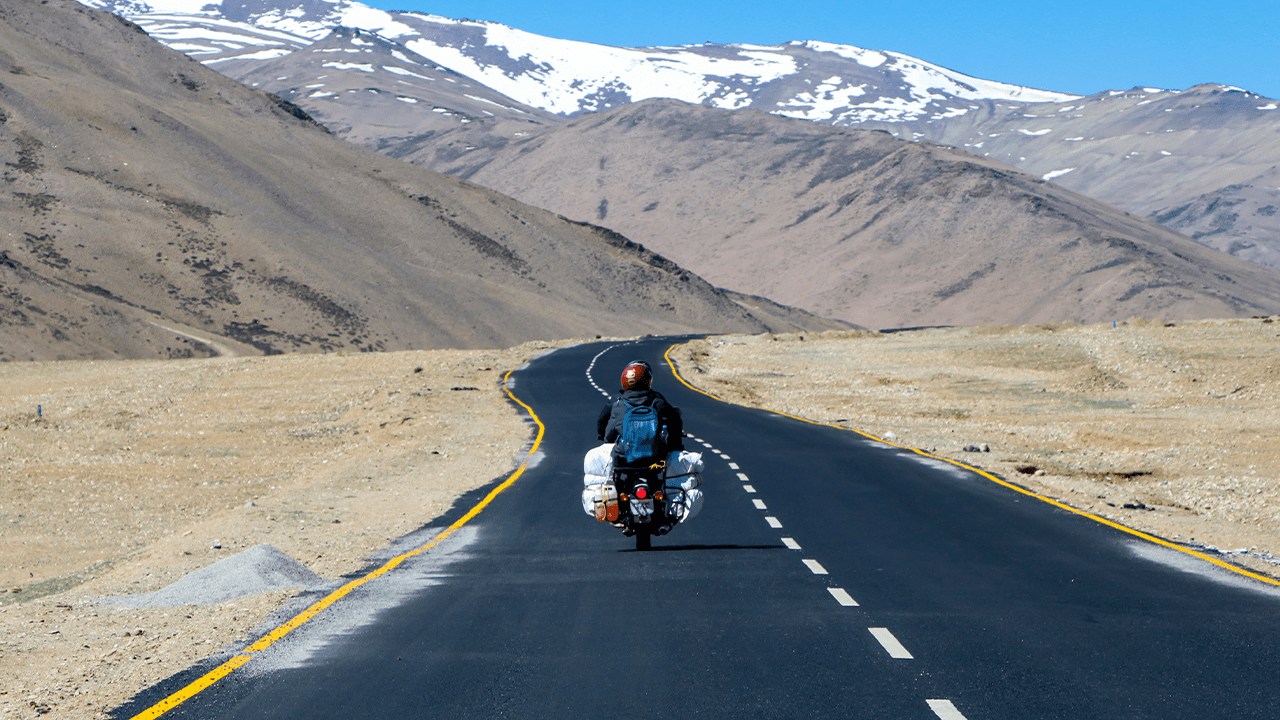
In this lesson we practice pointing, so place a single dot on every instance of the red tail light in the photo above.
(642, 492)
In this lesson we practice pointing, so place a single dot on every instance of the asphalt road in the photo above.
(1006, 606)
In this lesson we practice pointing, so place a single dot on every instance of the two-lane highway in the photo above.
(827, 576)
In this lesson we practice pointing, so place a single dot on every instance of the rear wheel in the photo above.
(642, 538)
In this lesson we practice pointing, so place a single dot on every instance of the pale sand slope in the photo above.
(137, 467)
(1181, 419)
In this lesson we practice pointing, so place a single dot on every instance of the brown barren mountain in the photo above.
(151, 207)
(861, 226)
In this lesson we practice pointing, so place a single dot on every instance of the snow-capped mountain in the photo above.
(437, 91)
(838, 84)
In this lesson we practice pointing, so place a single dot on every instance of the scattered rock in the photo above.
(971, 448)
(890, 436)
(216, 545)
(1027, 469)
(985, 447)
(249, 572)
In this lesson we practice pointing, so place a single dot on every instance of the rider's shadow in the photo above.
(675, 548)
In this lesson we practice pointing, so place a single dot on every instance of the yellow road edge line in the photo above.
(213, 676)
(1029, 493)
(193, 689)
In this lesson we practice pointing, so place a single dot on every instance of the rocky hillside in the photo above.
(862, 226)
(151, 207)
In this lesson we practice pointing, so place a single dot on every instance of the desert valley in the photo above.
(267, 292)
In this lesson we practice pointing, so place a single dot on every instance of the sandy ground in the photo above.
(121, 477)
(1170, 429)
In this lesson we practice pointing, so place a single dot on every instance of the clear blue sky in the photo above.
(1080, 47)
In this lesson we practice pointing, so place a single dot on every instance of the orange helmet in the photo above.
(636, 376)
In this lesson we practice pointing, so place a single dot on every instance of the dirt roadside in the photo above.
(122, 477)
(1170, 429)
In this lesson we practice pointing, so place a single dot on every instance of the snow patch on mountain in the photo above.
(867, 58)
(567, 76)
(820, 81)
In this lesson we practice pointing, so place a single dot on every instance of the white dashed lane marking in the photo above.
(773, 522)
(791, 543)
(890, 643)
(759, 504)
(815, 567)
(743, 477)
(749, 488)
(723, 456)
(734, 466)
(945, 710)
(842, 597)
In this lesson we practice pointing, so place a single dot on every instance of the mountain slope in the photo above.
(1202, 161)
(151, 207)
(864, 227)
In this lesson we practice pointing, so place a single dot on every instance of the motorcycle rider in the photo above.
(637, 390)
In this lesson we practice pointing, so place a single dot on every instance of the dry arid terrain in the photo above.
(120, 477)
(1167, 428)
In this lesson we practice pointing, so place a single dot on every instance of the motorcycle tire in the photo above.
(642, 538)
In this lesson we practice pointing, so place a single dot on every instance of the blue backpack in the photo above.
(641, 435)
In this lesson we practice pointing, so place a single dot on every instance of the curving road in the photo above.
(828, 576)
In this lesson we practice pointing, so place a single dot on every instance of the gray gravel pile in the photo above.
(258, 569)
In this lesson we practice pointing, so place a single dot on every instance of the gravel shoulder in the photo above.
(122, 477)
(1169, 429)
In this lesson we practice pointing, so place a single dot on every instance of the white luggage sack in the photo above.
(597, 469)
(683, 473)
(682, 478)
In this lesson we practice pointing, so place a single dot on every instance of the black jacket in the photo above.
(609, 423)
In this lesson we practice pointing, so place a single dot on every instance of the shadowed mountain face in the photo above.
(153, 208)
(864, 227)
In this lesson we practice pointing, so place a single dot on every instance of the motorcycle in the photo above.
(643, 508)
(643, 501)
